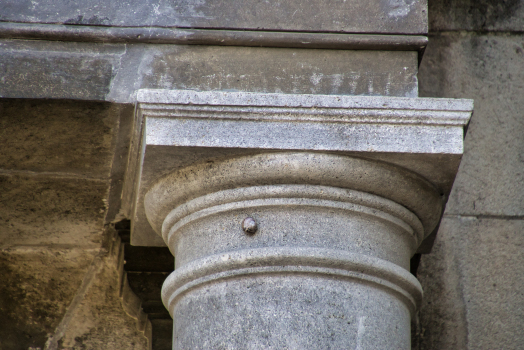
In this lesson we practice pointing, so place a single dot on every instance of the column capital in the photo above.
(177, 132)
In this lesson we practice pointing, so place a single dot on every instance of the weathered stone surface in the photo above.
(38, 284)
(476, 15)
(489, 69)
(328, 224)
(43, 210)
(375, 16)
(56, 70)
(473, 285)
(72, 137)
(187, 127)
(333, 72)
(97, 319)
(220, 37)
(113, 72)
(303, 279)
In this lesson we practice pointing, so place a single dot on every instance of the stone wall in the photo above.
(61, 165)
(474, 276)
(59, 263)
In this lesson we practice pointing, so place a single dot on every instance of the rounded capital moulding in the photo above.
(297, 250)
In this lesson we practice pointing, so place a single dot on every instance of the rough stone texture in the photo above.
(476, 15)
(326, 268)
(113, 72)
(38, 283)
(38, 210)
(182, 121)
(473, 285)
(99, 321)
(473, 278)
(349, 72)
(489, 69)
(57, 172)
(56, 70)
(50, 136)
(360, 16)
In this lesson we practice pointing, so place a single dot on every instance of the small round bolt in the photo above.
(249, 225)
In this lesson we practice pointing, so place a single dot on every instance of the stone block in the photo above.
(41, 210)
(297, 71)
(476, 15)
(113, 72)
(473, 285)
(358, 16)
(489, 69)
(36, 69)
(74, 137)
(38, 284)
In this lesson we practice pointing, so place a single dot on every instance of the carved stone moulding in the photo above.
(373, 137)
(292, 218)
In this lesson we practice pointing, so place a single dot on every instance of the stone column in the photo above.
(293, 218)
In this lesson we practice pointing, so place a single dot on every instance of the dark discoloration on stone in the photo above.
(304, 71)
(39, 210)
(162, 334)
(37, 286)
(55, 74)
(57, 136)
(489, 69)
(108, 72)
(99, 321)
(361, 16)
(490, 15)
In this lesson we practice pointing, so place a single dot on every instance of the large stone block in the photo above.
(477, 15)
(489, 69)
(297, 71)
(113, 72)
(42, 210)
(473, 286)
(357, 16)
(74, 137)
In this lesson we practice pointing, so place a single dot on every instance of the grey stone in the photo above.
(490, 69)
(55, 70)
(473, 285)
(113, 72)
(377, 16)
(291, 71)
(476, 15)
(287, 122)
(331, 220)
(288, 284)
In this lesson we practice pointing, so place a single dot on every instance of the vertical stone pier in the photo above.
(293, 218)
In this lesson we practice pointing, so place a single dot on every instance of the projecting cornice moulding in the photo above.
(178, 128)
